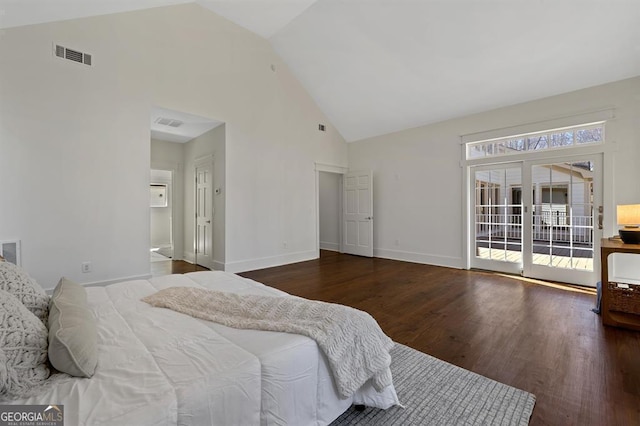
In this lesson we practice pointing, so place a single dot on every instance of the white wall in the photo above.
(211, 143)
(330, 212)
(71, 141)
(75, 140)
(418, 175)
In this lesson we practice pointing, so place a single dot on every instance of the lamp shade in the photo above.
(629, 214)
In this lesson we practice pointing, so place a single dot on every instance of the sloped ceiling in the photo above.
(263, 17)
(379, 66)
(14, 13)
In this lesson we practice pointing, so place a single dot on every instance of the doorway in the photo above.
(329, 207)
(539, 218)
(161, 215)
(179, 142)
(330, 210)
(344, 210)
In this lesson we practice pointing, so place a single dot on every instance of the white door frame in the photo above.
(206, 160)
(608, 150)
(328, 168)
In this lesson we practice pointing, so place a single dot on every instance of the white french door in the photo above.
(541, 218)
(564, 219)
(497, 217)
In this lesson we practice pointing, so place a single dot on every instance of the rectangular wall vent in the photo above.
(72, 55)
(169, 122)
(10, 251)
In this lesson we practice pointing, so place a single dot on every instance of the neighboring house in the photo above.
(75, 143)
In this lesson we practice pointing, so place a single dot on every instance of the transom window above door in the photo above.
(565, 137)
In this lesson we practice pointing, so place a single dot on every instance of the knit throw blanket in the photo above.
(354, 344)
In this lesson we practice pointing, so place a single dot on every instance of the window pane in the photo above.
(538, 142)
(516, 144)
(589, 135)
(475, 151)
(489, 147)
(498, 214)
(561, 139)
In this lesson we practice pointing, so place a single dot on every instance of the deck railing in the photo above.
(548, 225)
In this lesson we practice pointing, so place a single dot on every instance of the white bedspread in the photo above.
(159, 367)
(354, 344)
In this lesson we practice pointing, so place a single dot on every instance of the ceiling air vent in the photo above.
(169, 122)
(72, 55)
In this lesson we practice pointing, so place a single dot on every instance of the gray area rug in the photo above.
(435, 392)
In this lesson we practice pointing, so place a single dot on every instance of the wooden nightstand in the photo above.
(620, 307)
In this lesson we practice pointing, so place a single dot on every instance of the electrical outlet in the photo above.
(86, 267)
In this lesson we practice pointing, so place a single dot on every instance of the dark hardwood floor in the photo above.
(539, 337)
(536, 336)
(167, 267)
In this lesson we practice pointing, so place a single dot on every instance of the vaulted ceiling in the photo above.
(379, 66)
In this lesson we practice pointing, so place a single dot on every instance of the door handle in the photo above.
(600, 217)
(208, 221)
(369, 218)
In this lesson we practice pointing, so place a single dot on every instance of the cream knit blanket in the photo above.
(352, 340)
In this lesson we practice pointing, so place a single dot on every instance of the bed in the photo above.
(160, 367)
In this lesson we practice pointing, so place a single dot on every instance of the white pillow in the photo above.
(73, 334)
(23, 349)
(16, 281)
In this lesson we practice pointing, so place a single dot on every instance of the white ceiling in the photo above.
(375, 67)
(14, 13)
(191, 125)
(263, 17)
(378, 66)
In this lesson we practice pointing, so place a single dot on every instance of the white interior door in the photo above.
(204, 216)
(358, 213)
